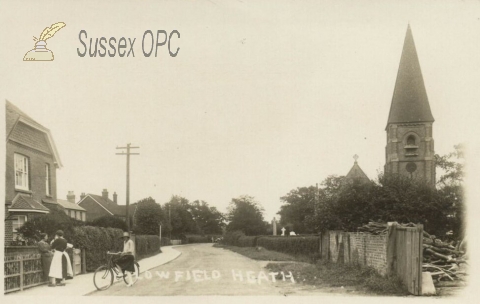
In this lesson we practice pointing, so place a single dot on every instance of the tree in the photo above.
(452, 164)
(148, 217)
(245, 214)
(110, 221)
(298, 205)
(179, 216)
(208, 219)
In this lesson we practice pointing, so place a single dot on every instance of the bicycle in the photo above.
(104, 275)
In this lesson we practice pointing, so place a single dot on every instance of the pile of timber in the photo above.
(379, 227)
(443, 260)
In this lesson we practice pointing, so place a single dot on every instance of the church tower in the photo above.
(410, 149)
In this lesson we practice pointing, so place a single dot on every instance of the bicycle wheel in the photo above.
(134, 275)
(103, 277)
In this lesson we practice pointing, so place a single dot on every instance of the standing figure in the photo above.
(60, 267)
(46, 253)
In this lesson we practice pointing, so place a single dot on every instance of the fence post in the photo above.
(84, 262)
(420, 257)
(21, 272)
(391, 247)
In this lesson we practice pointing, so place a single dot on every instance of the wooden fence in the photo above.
(22, 271)
(405, 255)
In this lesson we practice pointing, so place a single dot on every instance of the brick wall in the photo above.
(359, 248)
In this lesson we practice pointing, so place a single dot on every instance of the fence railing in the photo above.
(22, 271)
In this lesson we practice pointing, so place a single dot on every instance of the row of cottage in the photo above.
(30, 178)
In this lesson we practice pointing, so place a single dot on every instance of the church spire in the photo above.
(410, 101)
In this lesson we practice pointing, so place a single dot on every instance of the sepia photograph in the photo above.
(300, 150)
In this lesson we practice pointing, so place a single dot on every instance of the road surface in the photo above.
(205, 270)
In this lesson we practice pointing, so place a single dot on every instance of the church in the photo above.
(410, 149)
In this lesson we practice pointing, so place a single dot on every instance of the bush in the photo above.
(96, 241)
(198, 239)
(165, 241)
(231, 238)
(296, 245)
(110, 221)
(146, 245)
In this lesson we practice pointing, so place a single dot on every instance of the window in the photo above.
(411, 140)
(84, 217)
(47, 179)
(21, 172)
(18, 221)
(79, 215)
(72, 213)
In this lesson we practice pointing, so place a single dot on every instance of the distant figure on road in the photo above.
(46, 253)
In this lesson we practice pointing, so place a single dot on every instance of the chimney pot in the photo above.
(115, 197)
(71, 197)
(82, 196)
(105, 194)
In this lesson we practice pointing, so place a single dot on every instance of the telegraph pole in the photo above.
(128, 147)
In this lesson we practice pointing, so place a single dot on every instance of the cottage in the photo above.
(101, 205)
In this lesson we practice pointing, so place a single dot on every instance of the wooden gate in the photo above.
(405, 255)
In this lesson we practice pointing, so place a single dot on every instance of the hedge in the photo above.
(97, 241)
(198, 239)
(165, 241)
(247, 241)
(231, 238)
(146, 245)
(304, 245)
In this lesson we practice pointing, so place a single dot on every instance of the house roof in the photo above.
(25, 203)
(69, 205)
(110, 206)
(410, 101)
(23, 129)
(357, 173)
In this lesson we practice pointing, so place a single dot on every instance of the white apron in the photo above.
(56, 266)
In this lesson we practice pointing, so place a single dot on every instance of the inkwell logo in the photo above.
(40, 52)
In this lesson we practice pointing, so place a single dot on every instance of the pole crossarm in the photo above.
(128, 153)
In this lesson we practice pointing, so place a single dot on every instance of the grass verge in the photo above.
(261, 255)
(325, 274)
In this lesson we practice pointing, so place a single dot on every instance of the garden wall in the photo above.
(359, 248)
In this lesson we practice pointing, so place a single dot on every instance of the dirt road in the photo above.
(206, 270)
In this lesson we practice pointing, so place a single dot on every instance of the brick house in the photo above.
(100, 205)
(30, 172)
(72, 209)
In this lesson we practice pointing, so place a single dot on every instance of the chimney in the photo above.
(105, 194)
(115, 198)
(71, 197)
(82, 196)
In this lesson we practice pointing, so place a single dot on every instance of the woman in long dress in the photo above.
(60, 267)
(125, 263)
(46, 253)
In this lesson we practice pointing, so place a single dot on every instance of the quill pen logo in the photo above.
(40, 52)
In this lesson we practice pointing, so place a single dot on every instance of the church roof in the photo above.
(356, 173)
(410, 101)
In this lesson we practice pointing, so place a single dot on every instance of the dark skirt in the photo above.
(46, 261)
(126, 262)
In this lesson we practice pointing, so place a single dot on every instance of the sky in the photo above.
(263, 96)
